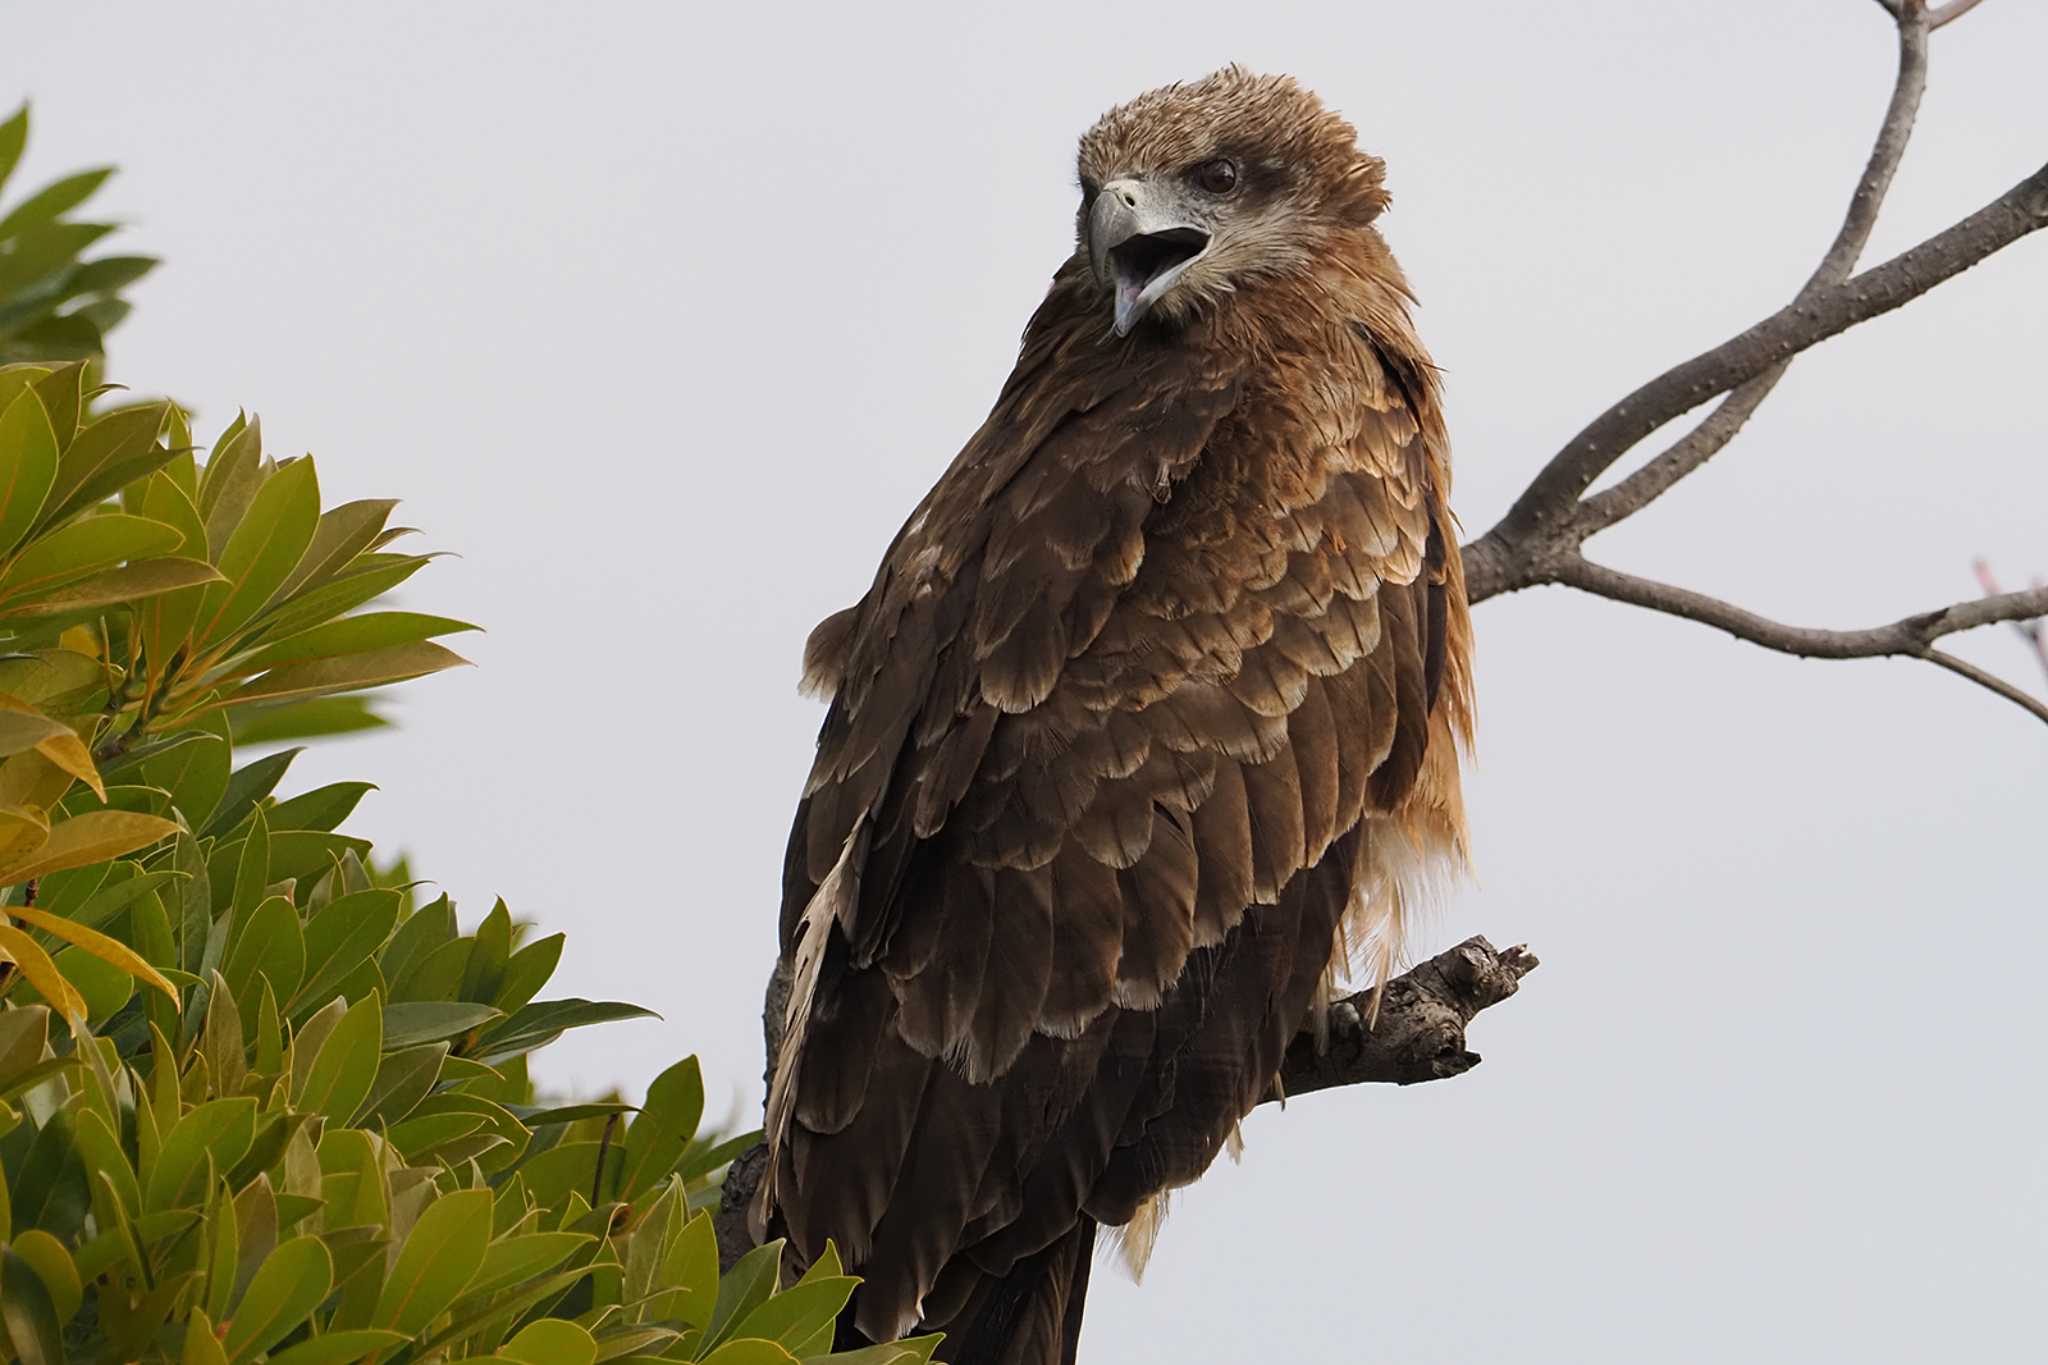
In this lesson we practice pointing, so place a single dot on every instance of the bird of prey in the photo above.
(1145, 732)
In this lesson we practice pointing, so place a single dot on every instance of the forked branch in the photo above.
(1539, 540)
(1910, 636)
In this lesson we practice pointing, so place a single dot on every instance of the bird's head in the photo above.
(1192, 190)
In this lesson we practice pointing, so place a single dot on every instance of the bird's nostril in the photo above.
(1130, 200)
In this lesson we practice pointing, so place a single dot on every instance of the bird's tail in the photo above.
(1032, 1316)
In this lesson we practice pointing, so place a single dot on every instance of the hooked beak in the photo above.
(1139, 242)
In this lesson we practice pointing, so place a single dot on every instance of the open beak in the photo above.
(1140, 241)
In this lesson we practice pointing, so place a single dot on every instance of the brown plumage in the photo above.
(1148, 721)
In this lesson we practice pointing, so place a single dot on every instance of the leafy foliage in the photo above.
(256, 1102)
(53, 304)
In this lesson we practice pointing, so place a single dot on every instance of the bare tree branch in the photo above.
(1419, 1032)
(1551, 498)
(1911, 636)
(1720, 426)
(1986, 679)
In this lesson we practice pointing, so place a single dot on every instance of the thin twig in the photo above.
(1910, 636)
(1721, 425)
(1949, 13)
(1963, 668)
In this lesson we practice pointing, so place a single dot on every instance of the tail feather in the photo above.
(1032, 1316)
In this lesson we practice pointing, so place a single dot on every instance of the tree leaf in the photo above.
(546, 1020)
(339, 1348)
(13, 137)
(551, 1341)
(271, 946)
(411, 1022)
(262, 551)
(28, 465)
(291, 1284)
(512, 1260)
(246, 786)
(29, 1312)
(347, 1065)
(53, 1265)
(117, 587)
(212, 1137)
(342, 937)
(351, 635)
(108, 950)
(90, 838)
(36, 966)
(53, 200)
(438, 1261)
(661, 1134)
(85, 547)
(322, 808)
(353, 672)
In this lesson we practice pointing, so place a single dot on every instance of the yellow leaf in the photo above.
(89, 838)
(22, 830)
(35, 964)
(65, 749)
(110, 951)
(29, 779)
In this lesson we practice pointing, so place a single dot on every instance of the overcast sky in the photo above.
(663, 316)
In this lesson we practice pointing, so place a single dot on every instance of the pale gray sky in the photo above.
(664, 315)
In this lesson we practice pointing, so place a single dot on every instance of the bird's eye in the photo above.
(1218, 176)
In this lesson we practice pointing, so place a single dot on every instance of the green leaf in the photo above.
(54, 1267)
(322, 808)
(743, 1288)
(404, 1077)
(248, 785)
(53, 200)
(440, 1258)
(272, 947)
(551, 1341)
(661, 1134)
(513, 1260)
(353, 635)
(195, 774)
(410, 1022)
(526, 971)
(339, 1348)
(202, 1346)
(117, 587)
(262, 551)
(347, 1065)
(317, 718)
(291, 1284)
(353, 672)
(28, 465)
(343, 533)
(485, 970)
(28, 1312)
(84, 547)
(107, 455)
(13, 137)
(797, 1313)
(546, 1020)
(368, 577)
(221, 1130)
(750, 1353)
(342, 937)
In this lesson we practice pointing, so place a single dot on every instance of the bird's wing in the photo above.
(1086, 808)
